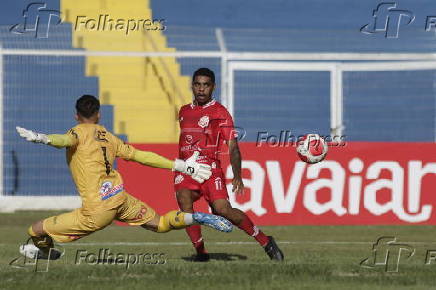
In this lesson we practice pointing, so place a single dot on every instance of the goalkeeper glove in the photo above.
(198, 171)
(32, 136)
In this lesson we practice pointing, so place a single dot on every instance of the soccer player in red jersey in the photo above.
(205, 125)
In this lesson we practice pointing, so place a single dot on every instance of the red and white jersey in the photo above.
(204, 128)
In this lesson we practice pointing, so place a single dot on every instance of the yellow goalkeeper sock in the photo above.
(31, 232)
(174, 220)
(44, 242)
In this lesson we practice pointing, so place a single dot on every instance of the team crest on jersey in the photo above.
(188, 139)
(203, 122)
(179, 178)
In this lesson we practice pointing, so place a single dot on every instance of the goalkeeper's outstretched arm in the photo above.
(55, 140)
(61, 140)
(152, 159)
(199, 172)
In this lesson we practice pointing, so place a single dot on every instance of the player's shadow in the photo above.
(110, 261)
(219, 257)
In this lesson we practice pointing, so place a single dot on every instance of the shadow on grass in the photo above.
(219, 257)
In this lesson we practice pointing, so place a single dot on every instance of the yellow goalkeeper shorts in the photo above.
(77, 224)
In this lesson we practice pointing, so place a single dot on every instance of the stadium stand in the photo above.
(375, 104)
(40, 93)
(142, 96)
(144, 91)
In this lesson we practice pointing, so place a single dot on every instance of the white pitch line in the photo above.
(225, 243)
(230, 243)
(209, 243)
(160, 243)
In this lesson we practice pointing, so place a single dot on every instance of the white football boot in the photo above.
(32, 252)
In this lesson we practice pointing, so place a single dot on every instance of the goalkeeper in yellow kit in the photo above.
(91, 151)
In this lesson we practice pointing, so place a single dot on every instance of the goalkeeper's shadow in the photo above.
(219, 257)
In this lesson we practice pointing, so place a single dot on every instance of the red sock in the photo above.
(247, 226)
(194, 233)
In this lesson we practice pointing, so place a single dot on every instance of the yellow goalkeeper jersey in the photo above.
(90, 156)
(91, 151)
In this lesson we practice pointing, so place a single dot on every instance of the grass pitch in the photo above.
(317, 257)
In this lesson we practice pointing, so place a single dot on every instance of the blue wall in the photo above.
(313, 14)
(383, 106)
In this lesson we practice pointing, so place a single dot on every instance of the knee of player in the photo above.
(222, 211)
(184, 201)
(36, 229)
(98, 221)
(183, 195)
(153, 224)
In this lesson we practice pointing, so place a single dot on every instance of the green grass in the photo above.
(317, 257)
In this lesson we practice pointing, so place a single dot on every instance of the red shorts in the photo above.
(212, 189)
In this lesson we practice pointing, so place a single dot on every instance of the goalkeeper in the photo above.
(91, 151)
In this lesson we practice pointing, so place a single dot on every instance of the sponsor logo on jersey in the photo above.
(201, 157)
(189, 148)
(203, 122)
(107, 191)
(141, 213)
(179, 178)
(105, 187)
(255, 231)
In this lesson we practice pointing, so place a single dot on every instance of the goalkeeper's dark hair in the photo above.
(204, 71)
(87, 106)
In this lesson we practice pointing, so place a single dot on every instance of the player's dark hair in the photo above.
(87, 106)
(204, 71)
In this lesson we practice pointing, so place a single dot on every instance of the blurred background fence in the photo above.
(331, 80)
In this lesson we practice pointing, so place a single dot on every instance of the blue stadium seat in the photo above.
(40, 94)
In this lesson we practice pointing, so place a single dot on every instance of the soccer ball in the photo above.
(312, 148)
